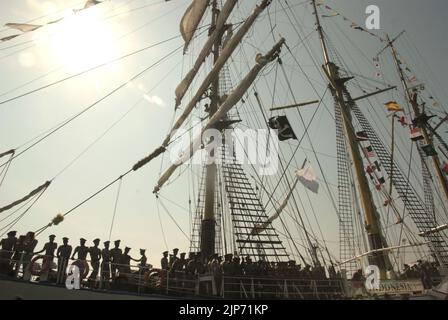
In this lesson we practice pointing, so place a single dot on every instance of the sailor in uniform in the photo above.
(125, 262)
(30, 244)
(105, 264)
(95, 257)
(63, 254)
(7, 246)
(143, 259)
(81, 250)
(115, 257)
(49, 249)
(164, 261)
(173, 257)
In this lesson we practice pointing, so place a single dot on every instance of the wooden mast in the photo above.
(412, 99)
(337, 86)
(208, 222)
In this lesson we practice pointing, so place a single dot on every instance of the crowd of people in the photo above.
(235, 266)
(106, 262)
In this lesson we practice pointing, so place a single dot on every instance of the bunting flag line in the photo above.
(381, 180)
(403, 121)
(377, 166)
(368, 152)
(353, 25)
(429, 150)
(362, 136)
(445, 167)
(416, 134)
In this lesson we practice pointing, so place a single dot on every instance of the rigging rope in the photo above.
(175, 222)
(14, 222)
(89, 70)
(115, 207)
(5, 169)
(64, 123)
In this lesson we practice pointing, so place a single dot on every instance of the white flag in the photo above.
(308, 178)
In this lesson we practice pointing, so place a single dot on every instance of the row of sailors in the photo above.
(114, 261)
(234, 266)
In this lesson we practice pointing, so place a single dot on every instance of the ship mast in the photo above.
(412, 99)
(337, 86)
(208, 221)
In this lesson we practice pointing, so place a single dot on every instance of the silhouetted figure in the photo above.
(173, 257)
(142, 261)
(30, 244)
(125, 262)
(357, 276)
(164, 265)
(95, 257)
(6, 252)
(63, 254)
(17, 258)
(49, 249)
(105, 264)
(178, 264)
(115, 257)
(190, 267)
(227, 267)
(81, 250)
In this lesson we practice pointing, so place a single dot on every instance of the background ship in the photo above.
(391, 191)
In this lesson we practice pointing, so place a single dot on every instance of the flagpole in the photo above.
(337, 86)
(412, 99)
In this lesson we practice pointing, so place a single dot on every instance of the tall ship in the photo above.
(297, 165)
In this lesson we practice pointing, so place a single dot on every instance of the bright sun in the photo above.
(82, 40)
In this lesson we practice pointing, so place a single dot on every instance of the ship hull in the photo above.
(19, 290)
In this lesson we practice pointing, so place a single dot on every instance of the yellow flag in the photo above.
(393, 106)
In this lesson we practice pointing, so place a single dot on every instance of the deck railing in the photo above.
(139, 280)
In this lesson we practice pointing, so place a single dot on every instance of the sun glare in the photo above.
(80, 41)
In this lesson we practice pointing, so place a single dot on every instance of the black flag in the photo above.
(281, 124)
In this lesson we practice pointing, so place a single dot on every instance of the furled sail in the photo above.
(24, 27)
(222, 18)
(27, 197)
(225, 54)
(226, 106)
(191, 20)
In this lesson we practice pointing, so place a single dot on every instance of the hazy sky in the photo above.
(105, 32)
